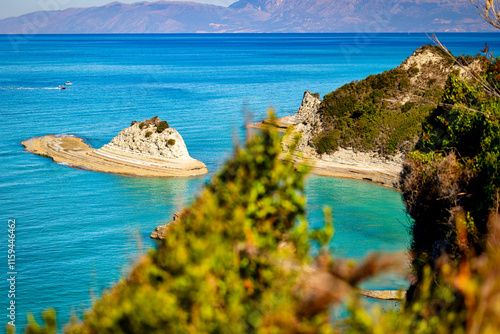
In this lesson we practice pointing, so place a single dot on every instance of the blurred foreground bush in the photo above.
(231, 265)
(239, 260)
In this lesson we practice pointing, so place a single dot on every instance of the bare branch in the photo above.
(488, 11)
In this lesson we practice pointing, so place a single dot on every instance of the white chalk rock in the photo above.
(145, 139)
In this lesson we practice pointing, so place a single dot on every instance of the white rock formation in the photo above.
(308, 111)
(150, 149)
(148, 142)
(306, 122)
(421, 58)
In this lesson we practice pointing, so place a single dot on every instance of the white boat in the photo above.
(68, 83)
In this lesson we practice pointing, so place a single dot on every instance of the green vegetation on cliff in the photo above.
(384, 112)
(454, 173)
(451, 188)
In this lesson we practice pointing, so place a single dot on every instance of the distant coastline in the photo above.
(248, 16)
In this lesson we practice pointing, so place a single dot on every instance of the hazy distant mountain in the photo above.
(255, 16)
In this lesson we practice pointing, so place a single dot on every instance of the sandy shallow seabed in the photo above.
(73, 152)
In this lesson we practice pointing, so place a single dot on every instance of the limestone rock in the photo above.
(384, 294)
(150, 148)
(143, 138)
(422, 57)
(434, 64)
(161, 231)
(308, 111)
(307, 122)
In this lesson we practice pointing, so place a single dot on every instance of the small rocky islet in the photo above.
(150, 148)
(161, 231)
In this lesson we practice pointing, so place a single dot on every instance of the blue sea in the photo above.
(78, 232)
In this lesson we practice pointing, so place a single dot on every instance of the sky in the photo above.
(10, 8)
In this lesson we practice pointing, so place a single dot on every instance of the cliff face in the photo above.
(306, 122)
(145, 139)
(364, 129)
(161, 231)
(308, 111)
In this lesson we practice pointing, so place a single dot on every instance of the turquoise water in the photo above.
(78, 232)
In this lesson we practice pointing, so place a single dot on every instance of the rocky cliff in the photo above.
(161, 231)
(307, 122)
(364, 129)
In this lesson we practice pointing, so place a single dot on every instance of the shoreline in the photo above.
(384, 174)
(74, 152)
(380, 176)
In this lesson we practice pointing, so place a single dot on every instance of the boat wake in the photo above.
(5, 88)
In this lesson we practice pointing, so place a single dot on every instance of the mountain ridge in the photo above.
(299, 16)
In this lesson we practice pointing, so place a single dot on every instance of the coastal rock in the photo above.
(161, 231)
(307, 122)
(384, 294)
(308, 111)
(143, 138)
(369, 159)
(149, 148)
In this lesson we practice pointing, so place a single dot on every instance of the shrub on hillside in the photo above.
(162, 126)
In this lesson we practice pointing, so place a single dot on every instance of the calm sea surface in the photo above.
(78, 232)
